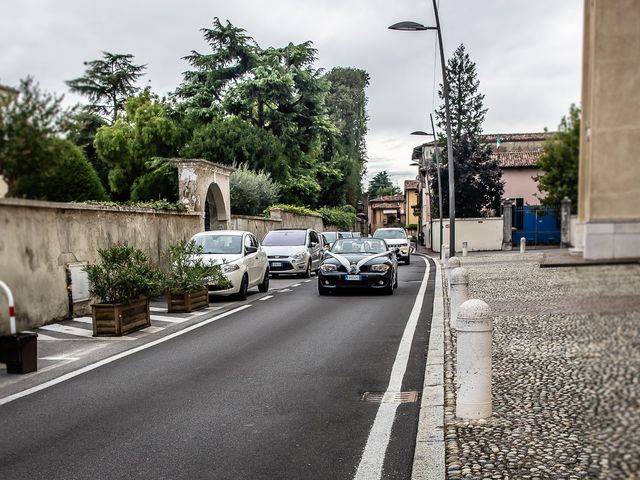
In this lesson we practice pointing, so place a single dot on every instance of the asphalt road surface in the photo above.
(273, 389)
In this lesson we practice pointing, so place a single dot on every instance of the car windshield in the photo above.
(389, 234)
(285, 237)
(330, 237)
(346, 234)
(359, 245)
(219, 243)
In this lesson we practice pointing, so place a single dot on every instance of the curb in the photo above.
(429, 456)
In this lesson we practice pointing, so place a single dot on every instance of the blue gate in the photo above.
(539, 225)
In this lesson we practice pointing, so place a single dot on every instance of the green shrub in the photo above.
(297, 209)
(68, 178)
(251, 192)
(123, 275)
(159, 183)
(155, 205)
(189, 272)
(342, 217)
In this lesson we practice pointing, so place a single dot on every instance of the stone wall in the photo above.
(259, 226)
(39, 240)
(292, 220)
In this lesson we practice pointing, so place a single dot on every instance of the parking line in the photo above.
(108, 360)
(265, 298)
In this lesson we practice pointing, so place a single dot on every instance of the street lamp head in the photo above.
(420, 132)
(410, 27)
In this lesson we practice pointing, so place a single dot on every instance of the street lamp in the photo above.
(435, 142)
(417, 27)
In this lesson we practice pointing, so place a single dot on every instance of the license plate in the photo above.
(276, 264)
(353, 277)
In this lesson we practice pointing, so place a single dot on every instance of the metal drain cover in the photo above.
(390, 397)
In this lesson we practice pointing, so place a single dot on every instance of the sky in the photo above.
(528, 54)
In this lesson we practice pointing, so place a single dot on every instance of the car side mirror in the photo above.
(251, 249)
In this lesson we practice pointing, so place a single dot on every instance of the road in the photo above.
(273, 389)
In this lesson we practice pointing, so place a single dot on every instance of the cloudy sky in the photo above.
(528, 53)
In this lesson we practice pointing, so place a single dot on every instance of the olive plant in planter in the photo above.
(188, 279)
(123, 281)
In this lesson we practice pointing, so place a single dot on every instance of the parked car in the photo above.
(359, 263)
(346, 234)
(293, 251)
(396, 237)
(242, 260)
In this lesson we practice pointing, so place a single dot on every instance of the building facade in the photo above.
(387, 211)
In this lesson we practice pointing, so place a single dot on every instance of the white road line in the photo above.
(78, 332)
(105, 361)
(372, 460)
(162, 318)
(265, 298)
(284, 290)
(296, 285)
(83, 320)
(306, 281)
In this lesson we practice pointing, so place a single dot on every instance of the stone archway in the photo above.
(204, 188)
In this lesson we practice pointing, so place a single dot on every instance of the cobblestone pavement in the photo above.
(566, 373)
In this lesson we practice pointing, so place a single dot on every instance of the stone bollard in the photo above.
(459, 293)
(523, 244)
(474, 326)
(464, 249)
(453, 262)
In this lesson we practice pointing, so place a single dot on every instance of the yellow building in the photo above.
(412, 203)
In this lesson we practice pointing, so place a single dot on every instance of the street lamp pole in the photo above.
(435, 143)
(415, 27)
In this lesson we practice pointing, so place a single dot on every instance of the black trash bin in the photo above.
(20, 352)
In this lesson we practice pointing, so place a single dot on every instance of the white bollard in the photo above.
(459, 293)
(12, 310)
(453, 262)
(474, 325)
(523, 243)
(464, 249)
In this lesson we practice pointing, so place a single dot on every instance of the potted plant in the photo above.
(188, 278)
(123, 281)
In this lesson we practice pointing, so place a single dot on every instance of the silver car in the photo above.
(293, 251)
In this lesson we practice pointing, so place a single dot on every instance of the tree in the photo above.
(252, 192)
(477, 177)
(145, 131)
(560, 162)
(160, 182)
(67, 177)
(27, 124)
(108, 83)
(466, 103)
(381, 185)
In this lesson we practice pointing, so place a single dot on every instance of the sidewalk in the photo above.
(566, 372)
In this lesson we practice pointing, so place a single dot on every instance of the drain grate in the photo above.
(390, 397)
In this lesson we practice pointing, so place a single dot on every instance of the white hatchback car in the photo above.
(241, 258)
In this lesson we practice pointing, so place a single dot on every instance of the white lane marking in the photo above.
(162, 318)
(284, 290)
(296, 285)
(372, 460)
(83, 319)
(266, 298)
(105, 361)
(78, 332)
(306, 281)
(68, 359)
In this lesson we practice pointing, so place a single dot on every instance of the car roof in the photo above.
(221, 232)
(290, 229)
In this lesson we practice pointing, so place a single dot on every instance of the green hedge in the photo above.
(343, 217)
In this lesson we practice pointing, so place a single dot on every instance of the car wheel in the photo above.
(307, 272)
(244, 289)
(322, 290)
(264, 285)
(388, 290)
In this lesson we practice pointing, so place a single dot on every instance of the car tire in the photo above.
(307, 272)
(264, 285)
(244, 288)
(388, 290)
(322, 290)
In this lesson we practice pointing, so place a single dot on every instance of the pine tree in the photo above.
(477, 176)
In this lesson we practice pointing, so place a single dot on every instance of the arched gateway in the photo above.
(204, 188)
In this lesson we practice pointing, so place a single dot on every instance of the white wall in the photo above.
(480, 233)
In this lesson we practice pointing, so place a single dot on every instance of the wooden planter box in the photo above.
(117, 319)
(187, 302)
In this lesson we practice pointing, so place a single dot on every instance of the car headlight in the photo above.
(299, 256)
(229, 267)
(328, 267)
(380, 267)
